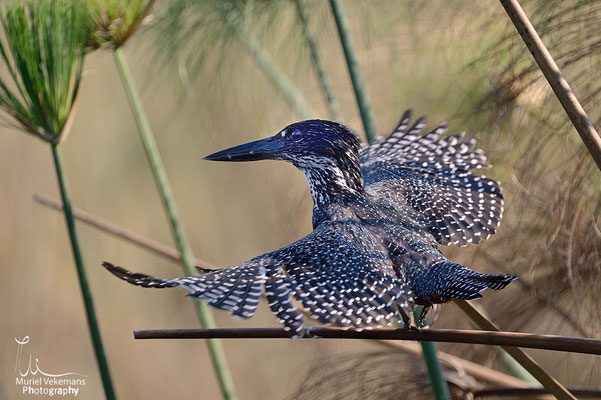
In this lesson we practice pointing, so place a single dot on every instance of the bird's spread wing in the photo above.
(339, 273)
(432, 175)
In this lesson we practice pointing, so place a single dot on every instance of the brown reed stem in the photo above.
(534, 392)
(558, 83)
(117, 231)
(506, 339)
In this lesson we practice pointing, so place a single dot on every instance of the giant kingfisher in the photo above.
(379, 213)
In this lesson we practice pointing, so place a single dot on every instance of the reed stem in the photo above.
(557, 81)
(291, 93)
(82, 276)
(487, 338)
(514, 367)
(354, 68)
(156, 164)
(440, 388)
(545, 379)
(324, 80)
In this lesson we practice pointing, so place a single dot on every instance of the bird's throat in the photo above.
(329, 184)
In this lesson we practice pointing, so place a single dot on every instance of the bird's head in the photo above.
(304, 144)
(327, 152)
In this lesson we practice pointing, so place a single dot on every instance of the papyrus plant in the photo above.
(42, 54)
(42, 50)
(111, 23)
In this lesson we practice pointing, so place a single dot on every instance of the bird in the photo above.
(380, 213)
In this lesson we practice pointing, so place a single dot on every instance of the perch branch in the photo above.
(532, 392)
(513, 339)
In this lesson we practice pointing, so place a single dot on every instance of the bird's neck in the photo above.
(332, 182)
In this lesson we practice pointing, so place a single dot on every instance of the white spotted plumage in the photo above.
(432, 175)
(378, 214)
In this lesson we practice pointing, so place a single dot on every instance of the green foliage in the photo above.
(208, 27)
(42, 50)
(112, 22)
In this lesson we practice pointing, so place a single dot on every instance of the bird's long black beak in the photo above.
(263, 149)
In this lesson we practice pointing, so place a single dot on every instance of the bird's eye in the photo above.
(296, 134)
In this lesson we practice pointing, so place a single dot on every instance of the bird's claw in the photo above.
(412, 327)
(307, 334)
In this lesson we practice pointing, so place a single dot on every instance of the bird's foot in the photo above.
(405, 317)
(412, 327)
(309, 335)
(204, 270)
(423, 315)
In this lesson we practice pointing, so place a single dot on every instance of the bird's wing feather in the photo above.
(342, 275)
(339, 273)
(432, 175)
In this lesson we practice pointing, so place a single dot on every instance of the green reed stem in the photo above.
(354, 68)
(82, 276)
(291, 93)
(440, 388)
(156, 164)
(324, 80)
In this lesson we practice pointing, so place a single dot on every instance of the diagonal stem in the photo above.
(82, 276)
(277, 77)
(548, 382)
(511, 392)
(461, 365)
(514, 367)
(352, 62)
(156, 164)
(324, 80)
(122, 233)
(546, 302)
(556, 80)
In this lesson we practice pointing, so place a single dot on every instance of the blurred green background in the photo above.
(441, 58)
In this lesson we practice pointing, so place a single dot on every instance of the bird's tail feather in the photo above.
(236, 289)
(459, 282)
(136, 278)
(495, 281)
